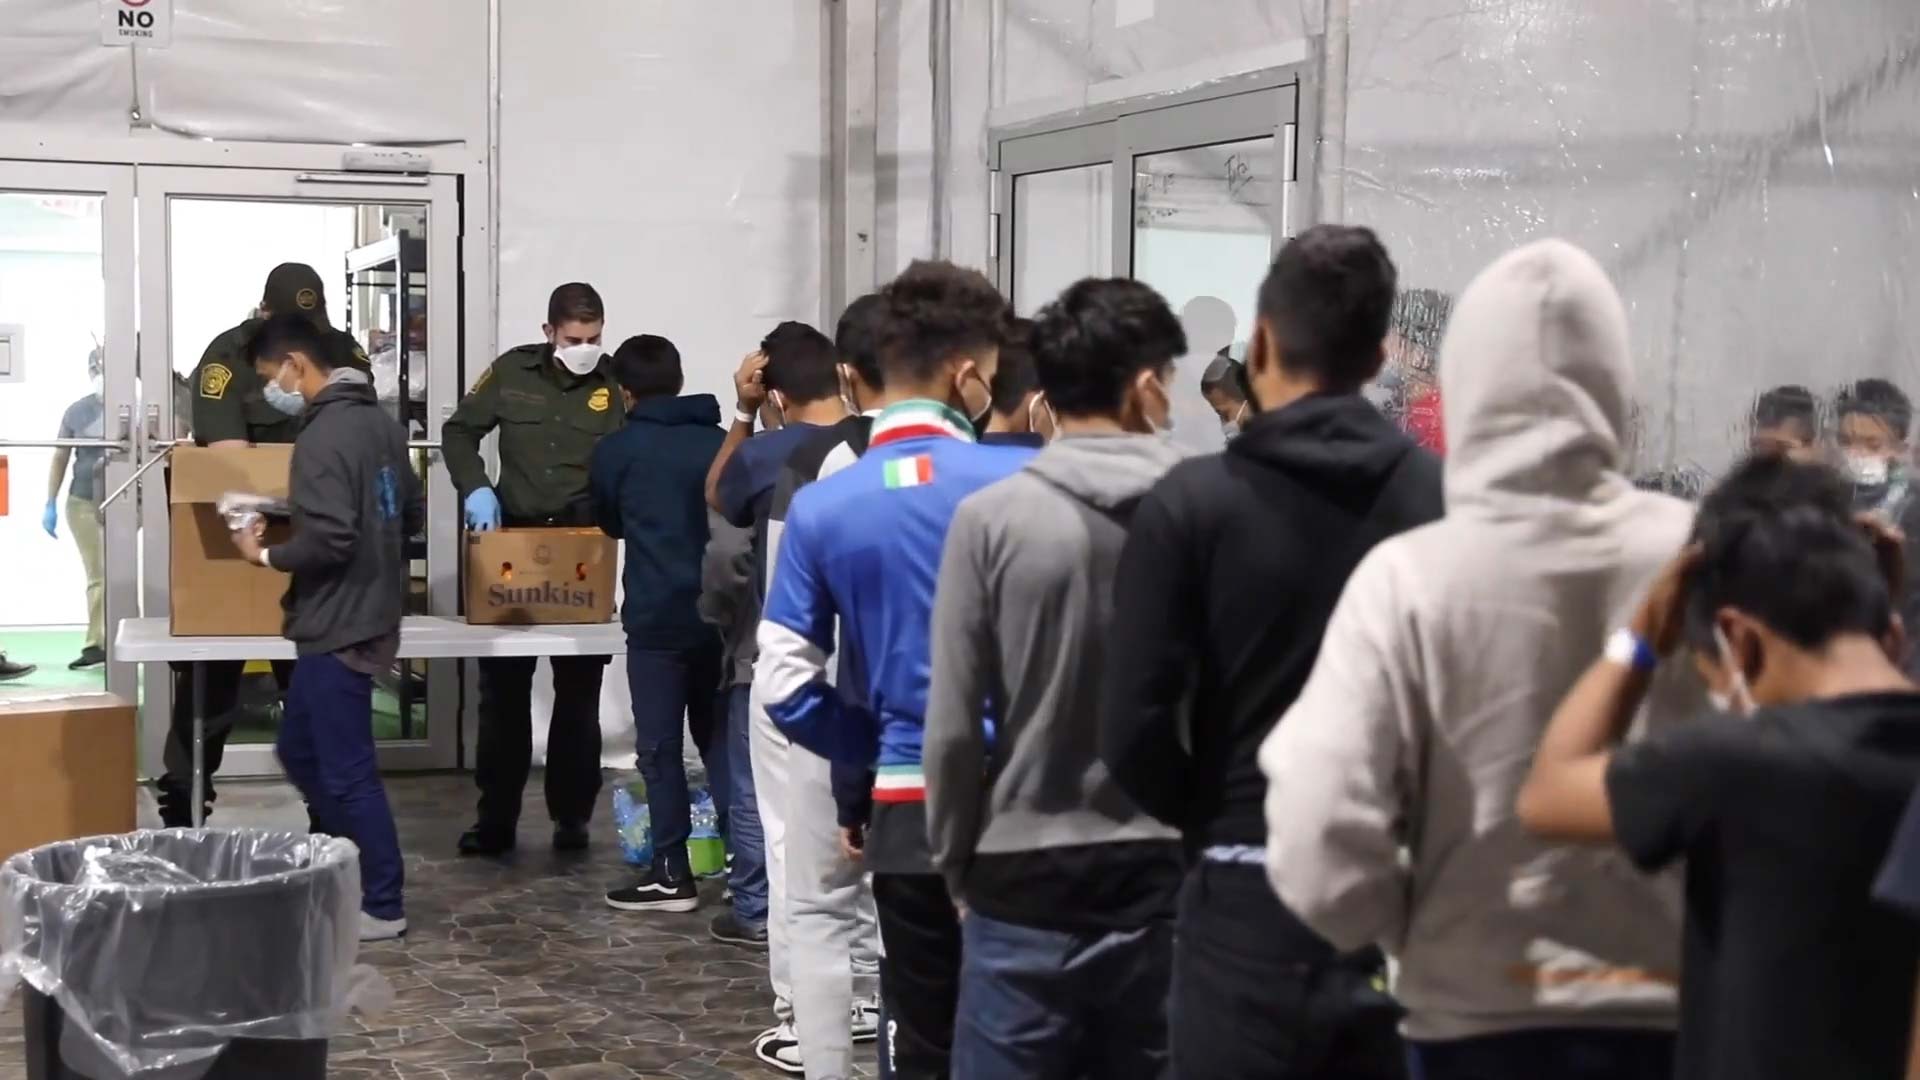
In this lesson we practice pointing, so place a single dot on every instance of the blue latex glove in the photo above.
(483, 510)
(50, 520)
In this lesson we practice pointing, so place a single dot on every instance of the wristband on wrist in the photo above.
(1631, 651)
(742, 416)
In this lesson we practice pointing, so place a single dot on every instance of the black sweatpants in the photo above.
(504, 755)
(919, 974)
(222, 695)
(1258, 996)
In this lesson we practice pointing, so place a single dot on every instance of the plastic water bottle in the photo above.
(632, 822)
(706, 852)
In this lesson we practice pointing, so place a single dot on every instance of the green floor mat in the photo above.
(50, 651)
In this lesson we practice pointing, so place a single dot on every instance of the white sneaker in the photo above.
(866, 1019)
(780, 1048)
(372, 929)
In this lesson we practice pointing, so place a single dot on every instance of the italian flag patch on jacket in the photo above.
(910, 471)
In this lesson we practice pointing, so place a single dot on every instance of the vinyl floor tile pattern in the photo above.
(515, 968)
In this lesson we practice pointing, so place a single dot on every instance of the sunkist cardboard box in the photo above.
(215, 591)
(70, 767)
(543, 576)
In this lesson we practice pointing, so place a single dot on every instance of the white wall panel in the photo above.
(321, 71)
(674, 157)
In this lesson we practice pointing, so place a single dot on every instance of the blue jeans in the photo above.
(1562, 1053)
(672, 691)
(1044, 1004)
(745, 842)
(326, 746)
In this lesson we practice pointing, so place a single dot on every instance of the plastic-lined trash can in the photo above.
(183, 954)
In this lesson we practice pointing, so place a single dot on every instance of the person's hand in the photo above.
(1661, 614)
(50, 520)
(246, 540)
(1889, 547)
(483, 510)
(749, 382)
(853, 842)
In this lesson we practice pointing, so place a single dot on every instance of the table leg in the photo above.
(199, 745)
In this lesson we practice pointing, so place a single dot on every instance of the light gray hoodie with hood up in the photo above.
(1392, 779)
(1020, 614)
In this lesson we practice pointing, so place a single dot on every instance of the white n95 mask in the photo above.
(579, 359)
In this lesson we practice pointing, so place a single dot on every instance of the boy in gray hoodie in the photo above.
(1067, 886)
(355, 500)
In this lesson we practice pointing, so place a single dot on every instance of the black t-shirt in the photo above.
(1790, 969)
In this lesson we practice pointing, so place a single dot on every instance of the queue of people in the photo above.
(1047, 749)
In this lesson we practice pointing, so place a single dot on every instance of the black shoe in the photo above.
(571, 838)
(91, 656)
(482, 840)
(10, 671)
(658, 891)
(731, 931)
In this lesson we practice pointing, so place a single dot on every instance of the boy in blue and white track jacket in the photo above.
(864, 545)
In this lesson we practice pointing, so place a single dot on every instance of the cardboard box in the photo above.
(214, 591)
(70, 768)
(540, 576)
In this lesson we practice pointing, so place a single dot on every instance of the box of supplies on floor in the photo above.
(70, 767)
(540, 576)
(215, 590)
(216, 954)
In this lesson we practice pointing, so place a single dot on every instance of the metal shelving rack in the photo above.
(397, 267)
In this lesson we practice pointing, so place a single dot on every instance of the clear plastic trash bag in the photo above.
(161, 947)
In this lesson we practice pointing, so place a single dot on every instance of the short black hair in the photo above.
(934, 310)
(1780, 543)
(1785, 405)
(1880, 399)
(283, 335)
(800, 362)
(1223, 375)
(648, 365)
(1014, 377)
(1092, 341)
(576, 301)
(1328, 299)
(857, 337)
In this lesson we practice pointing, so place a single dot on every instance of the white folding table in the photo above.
(422, 637)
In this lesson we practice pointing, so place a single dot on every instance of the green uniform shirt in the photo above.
(549, 421)
(229, 400)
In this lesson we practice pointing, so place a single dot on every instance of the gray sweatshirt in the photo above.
(1024, 599)
(1392, 779)
(355, 501)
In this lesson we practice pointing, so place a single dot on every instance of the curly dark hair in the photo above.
(934, 311)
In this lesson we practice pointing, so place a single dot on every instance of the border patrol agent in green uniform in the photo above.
(551, 403)
(231, 407)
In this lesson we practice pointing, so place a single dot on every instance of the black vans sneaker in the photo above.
(658, 891)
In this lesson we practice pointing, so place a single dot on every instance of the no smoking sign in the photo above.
(136, 22)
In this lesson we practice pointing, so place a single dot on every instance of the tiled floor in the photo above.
(516, 968)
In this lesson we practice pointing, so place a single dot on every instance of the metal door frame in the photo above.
(114, 184)
(1276, 101)
(158, 186)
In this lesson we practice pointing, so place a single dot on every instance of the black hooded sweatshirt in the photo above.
(1229, 575)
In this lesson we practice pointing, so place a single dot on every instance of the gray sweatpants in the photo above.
(821, 935)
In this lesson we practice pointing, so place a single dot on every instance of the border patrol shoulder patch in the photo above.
(214, 379)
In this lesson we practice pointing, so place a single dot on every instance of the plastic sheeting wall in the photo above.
(1748, 169)
(321, 71)
(674, 158)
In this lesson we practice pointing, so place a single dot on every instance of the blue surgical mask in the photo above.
(290, 402)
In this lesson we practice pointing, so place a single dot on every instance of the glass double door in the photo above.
(75, 297)
(1192, 197)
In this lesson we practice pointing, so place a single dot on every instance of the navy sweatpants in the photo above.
(326, 746)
